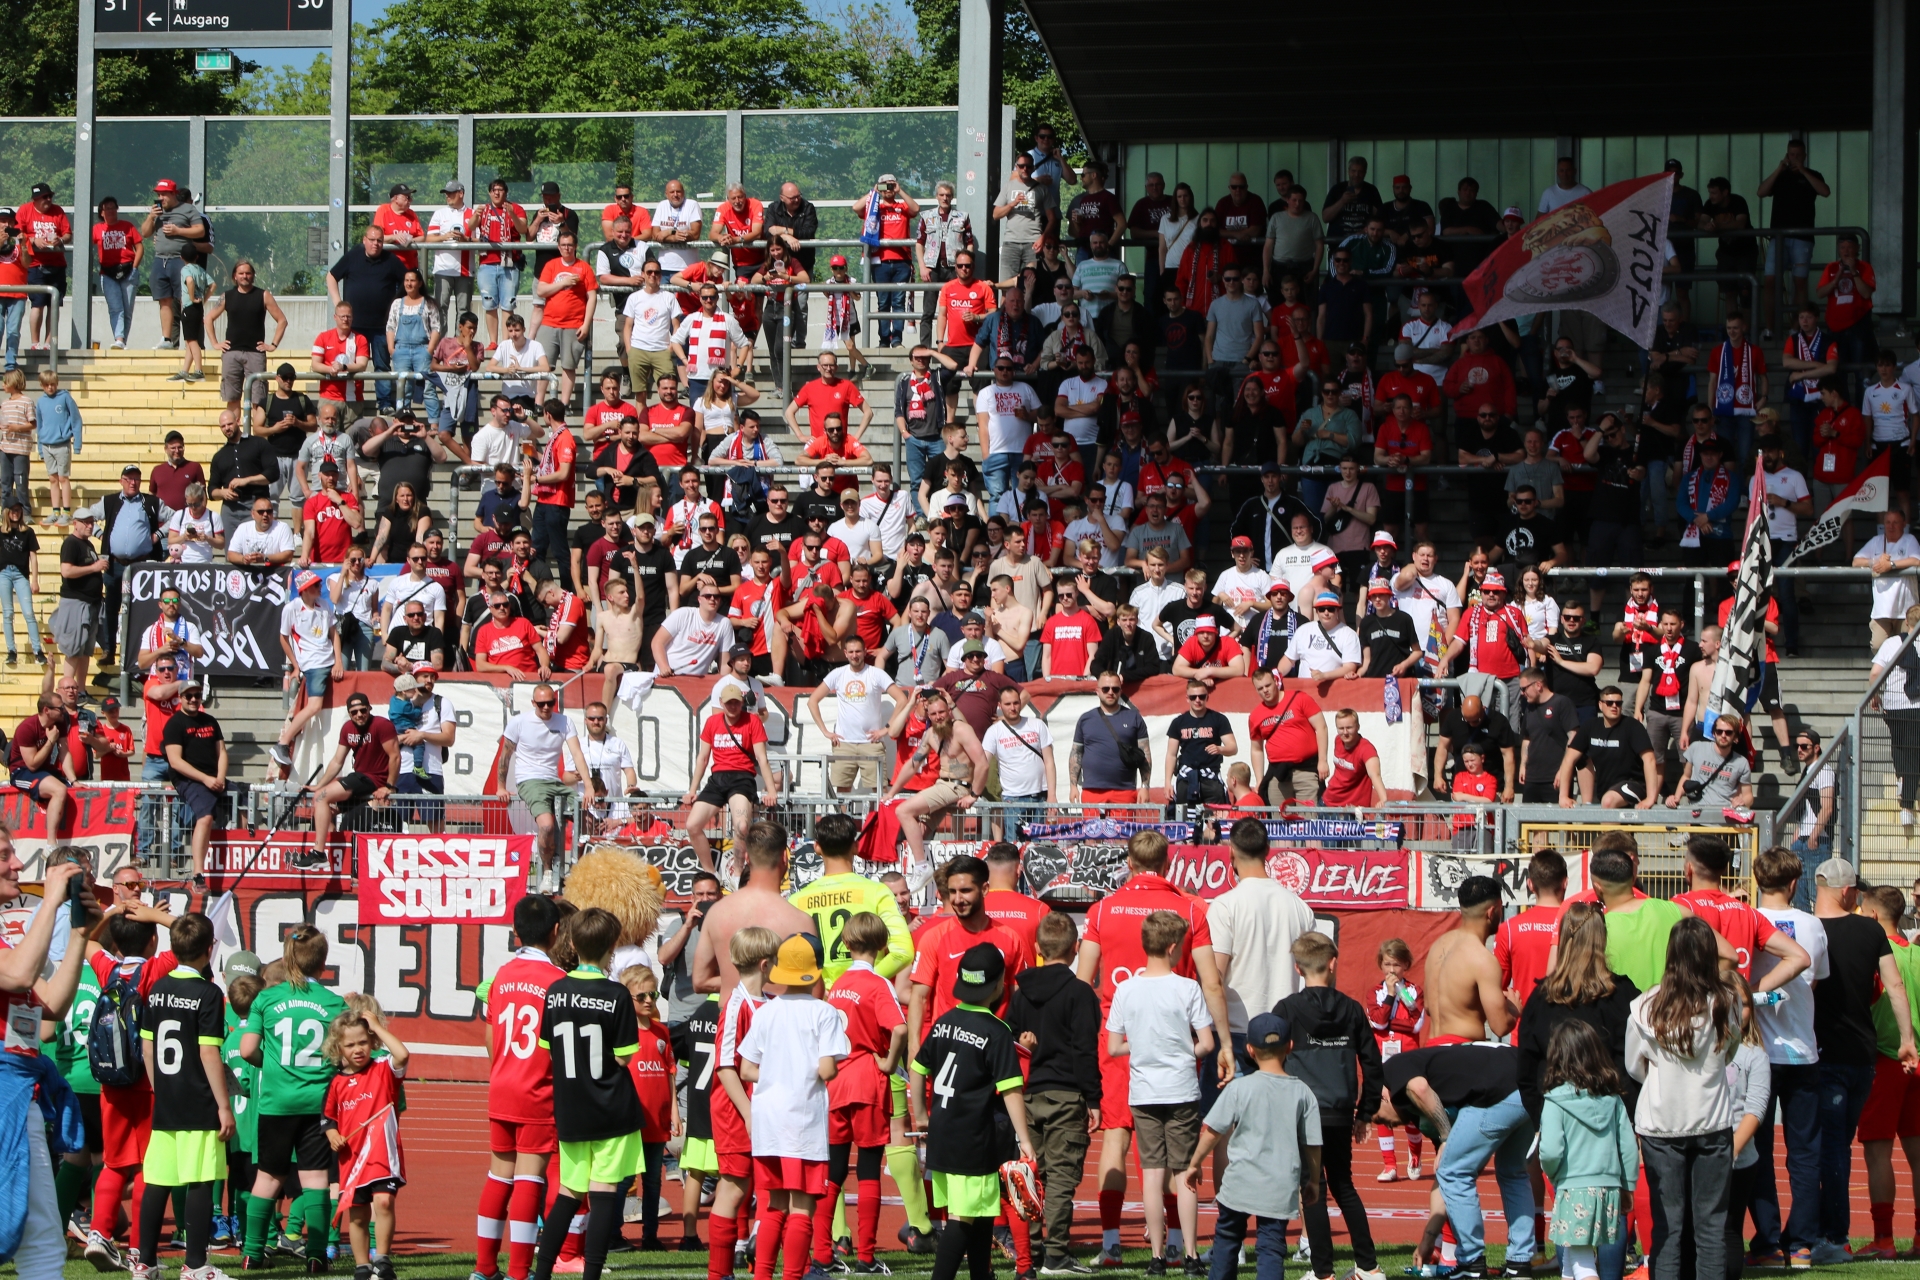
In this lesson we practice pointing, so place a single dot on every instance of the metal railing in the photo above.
(404, 377)
(53, 313)
(1700, 577)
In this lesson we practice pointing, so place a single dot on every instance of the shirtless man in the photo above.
(937, 591)
(1465, 998)
(757, 901)
(961, 761)
(1009, 622)
(1699, 687)
(616, 638)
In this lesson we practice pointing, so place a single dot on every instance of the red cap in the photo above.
(1205, 622)
(1243, 543)
(837, 260)
(1399, 178)
(422, 668)
(166, 184)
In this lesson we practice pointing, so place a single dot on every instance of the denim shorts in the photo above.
(1798, 254)
(165, 281)
(498, 286)
(317, 681)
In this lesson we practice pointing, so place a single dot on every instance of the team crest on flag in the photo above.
(1868, 493)
(1603, 253)
(1743, 641)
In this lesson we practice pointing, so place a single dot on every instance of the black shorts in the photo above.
(723, 787)
(1393, 508)
(1609, 543)
(90, 1119)
(1899, 465)
(1769, 699)
(1629, 791)
(1540, 793)
(364, 1193)
(1571, 523)
(289, 1142)
(193, 326)
(762, 665)
(359, 786)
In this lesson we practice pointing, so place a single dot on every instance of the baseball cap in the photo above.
(329, 468)
(1710, 443)
(1513, 211)
(1403, 351)
(399, 189)
(286, 370)
(1205, 622)
(837, 260)
(739, 651)
(84, 513)
(109, 704)
(166, 184)
(549, 188)
(981, 970)
(452, 185)
(424, 668)
(130, 470)
(729, 690)
(304, 579)
(1494, 581)
(1836, 873)
(1384, 539)
(956, 500)
(885, 178)
(1243, 543)
(241, 963)
(1380, 587)
(1399, 178)
(972, 647)
(1280, 585)
(974, 619)
(1327, 600)
(42, 189)
(404, 685)
(1270, 469)
(1268, 1031)
(1674, 166)
(797, 963)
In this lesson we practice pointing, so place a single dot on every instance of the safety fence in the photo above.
(16, 320)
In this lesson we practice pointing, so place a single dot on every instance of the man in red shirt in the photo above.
(1418, 387)
(604, 416)
(1005, 904)
(1355, 778)
(964, 305)
(939, 946)
(1112, 935)
(1493, 635)
(1846, 286)
(737, 224)
(1289, 743)
(892, 263)
(48, 232)
(1838, 432)
(1069, 638)
(340, 350)
(1279, 384)
(827, 395)
(1401, 443)
(669, 425)
(568, 639)
(570, 289)
(1523, 942)
(401, 224)
(865, 610)
(1482, 375)
(373, 748)
(329, 520)
(507, 642)
(553, 486)
(1750, 932)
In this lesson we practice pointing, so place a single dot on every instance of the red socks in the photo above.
(496, 1193)
(529, 1195)
(1022, 1239)
(1882, 1221)
(823, 1224)
(721, 1235)
(773, 1228)
(793, 1245)
(109, 1189)
(869, 1223)
(1110, 1202)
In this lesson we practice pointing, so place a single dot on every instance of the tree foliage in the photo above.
(43, 62)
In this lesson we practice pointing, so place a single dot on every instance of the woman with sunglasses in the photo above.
(777, 273)
(356, 601)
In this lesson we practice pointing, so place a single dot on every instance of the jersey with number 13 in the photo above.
(520, 1086)
(292, 1025)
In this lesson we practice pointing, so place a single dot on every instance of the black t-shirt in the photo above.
(693, 1044)
(18, 547)
(1479, 218)
(1345, 302)
(1582, 691)
(369, 286)
(911, 576)
(588, 1019)
(1734, 248)
(1105, 586)
(1571, 386)
(417, 646)
(1487, 492)
(721, 564)
(1657, 660)
(286, 444)
(77, 551)
(808, 501)
(775, 535)
(1493, 733)
(1529, 539)
(1179, 616)
(184, 1011)
(640, 465)
(1387, 641)
(404, 458)
(1673, 374)
(583, 537)
(969, 1055)
(1843, 1000)
(245, 456)
(1546, 726)
(1462, 1075)
(569, 221)
(198, 737)
(1616, 496)
(1793, 197)
(652, 567)
(1192, 734)
(1134, 659)
(1400, 220)
(1616, 755)
(1183, 335)
(1352, 220)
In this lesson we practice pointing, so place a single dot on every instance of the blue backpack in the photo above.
(113, 1041)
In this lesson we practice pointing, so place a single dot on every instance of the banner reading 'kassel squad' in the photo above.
(1603, 254)
(434, 879)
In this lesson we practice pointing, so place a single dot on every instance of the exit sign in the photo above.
(215, 60)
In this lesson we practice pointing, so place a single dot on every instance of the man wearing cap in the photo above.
(1493, 635)
(75, 619)
(330, 520)
(310, 639)
(171, 224)
(546, 224)
(1208, 656)
(367, 279)
(1239, 589)
(452, 269)
(734, 742)
(197, 767)
(1326, 649)
(48, 231)
(132, 532)
(1388, 642)
(400, 224)
(170, 636)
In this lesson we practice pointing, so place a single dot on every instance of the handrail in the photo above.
(1857, 726)
(548, 246)
(53, 320)
(1772, 822)
(402, 376)
(1700, 575)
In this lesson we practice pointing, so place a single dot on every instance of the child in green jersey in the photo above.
(244, 1079)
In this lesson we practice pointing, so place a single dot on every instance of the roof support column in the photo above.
(980, 156)
(1891, 177)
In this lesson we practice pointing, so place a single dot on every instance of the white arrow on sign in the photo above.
(153, 19)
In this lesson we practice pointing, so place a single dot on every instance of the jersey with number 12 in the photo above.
(520, 1085)
(292, 1025)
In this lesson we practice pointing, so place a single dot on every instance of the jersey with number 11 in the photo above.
(520, 1085)
(292, 1025)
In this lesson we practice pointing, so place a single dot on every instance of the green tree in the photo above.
(39, 76)
(929, 74)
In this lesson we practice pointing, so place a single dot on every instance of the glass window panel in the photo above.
(690, 148)
(34, 151)
(253, 160)
(129, 156)
(287, 257)
(421, 153)
(835, 156)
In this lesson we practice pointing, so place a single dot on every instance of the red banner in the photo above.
(1325, 879)
(433, 879)
(99, 820)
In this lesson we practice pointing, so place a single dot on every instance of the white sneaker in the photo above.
(1389, 1175)
(101, 1253)
(116, 345)
(208, 1272)
(1906, 819)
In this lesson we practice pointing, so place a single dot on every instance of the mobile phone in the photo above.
(77, 891)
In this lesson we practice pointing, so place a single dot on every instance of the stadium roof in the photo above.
(1144, 70)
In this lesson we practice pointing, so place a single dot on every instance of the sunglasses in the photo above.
(1196, 697)
(1725, 733)
(1804, 746)
(544, 704)
(1109, 688)
(709, 595)
(649, 996)
(410, 559)
(1326, 608)
(500, 607)
(360, 709)
(1612, 702)
(169, 599)
(596, 719)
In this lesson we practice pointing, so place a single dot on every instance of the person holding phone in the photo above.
(894, 211)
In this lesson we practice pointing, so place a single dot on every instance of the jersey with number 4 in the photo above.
(520, 1086)
(969, 1060)
(184, 1011)
(292, 1024)
(588, 1028)
(693, 1045)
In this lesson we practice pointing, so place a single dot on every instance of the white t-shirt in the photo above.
(1158, 1015)
(1894, 694)
(695, 643)
(1006, 433)
(249, 540)
(995, 653)
(1787, 1029)
(404, 589)
(1555, 196)
(1298, 565)
(1322, 652)
(433, 715)
(937, 501)
(1893, 593)
(1022, 772)
(1256, 922)
(1422, 336)
(1427, 595)
(788, 1038)
(1889, 408)
(448, 262)
(311, 630)
(1821, 781)
(1242, 591)
(494, 444)
(1078, 390)
(709, 341)
(891, 518)
(1149, 600)
(675, 258)
(539, 746)
(200, 552)
(1786, 483)
(607, 758)
(860, 715)
(858, 537)
(507, 356)
(653, 316)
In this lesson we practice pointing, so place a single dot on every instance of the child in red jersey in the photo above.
(653, 1068)
(363, 1126)
(860, 1097)
(752, 951)
(1397, 1012)
(1472, 786)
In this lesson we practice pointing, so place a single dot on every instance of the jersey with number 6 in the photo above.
(588, 1028)
(292, 1024)
(693, 1045)
(184, 1011)
(520, 1086)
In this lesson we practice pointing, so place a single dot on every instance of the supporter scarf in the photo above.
(1667, 662)
(1267, 634)
(1197, 274)
(1716, 495)
(1733, 391)
(840, 315)
(921, 391)
(1809, 349)
(558, 617)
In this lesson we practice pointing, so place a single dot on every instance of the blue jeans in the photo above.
(381, 360)
(1843, 1095)
(410, 359)
(1737, 430)
(919, 453)
(1795, 1088)
(1811, 856)
(119, 295)
(891, 273)
(150, 841)
(13, 586)
(12, 312)
(1502, 1133)
(1654, 489)
(357, 655)
(998, 472)
(1269, 1250)
(13, 480)
(1022, 809)
(498, 285)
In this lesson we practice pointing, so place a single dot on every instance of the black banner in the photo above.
(236, 611)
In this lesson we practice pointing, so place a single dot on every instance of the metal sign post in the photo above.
(199, 24)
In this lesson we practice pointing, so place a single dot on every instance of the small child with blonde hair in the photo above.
(363, 1127)
(1397, 1013)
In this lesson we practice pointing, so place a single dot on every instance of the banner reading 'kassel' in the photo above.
(429, 879)
(1603, 254)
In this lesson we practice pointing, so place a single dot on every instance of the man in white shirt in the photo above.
(1307, 566)
(310, 639)
(532, 751)
(610, 761)
(860, 538)
(267, 542)
(888, 510)
(1893, 554)
(518, 354)
(973, 626)
(499, 438)
(1327, 648)
(1566, 187)
(411, 586)
(1008, 410)
(646, 330)
(1079, 403)
(861, 713)
(1429, 599)
(1020, 741)
(452, 269)
(691, 639)
(1429, 336)
(707, 342)
(1788, 498)
(1153, 595)
(1254, 926)
(676, 223)
(1239, 589)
